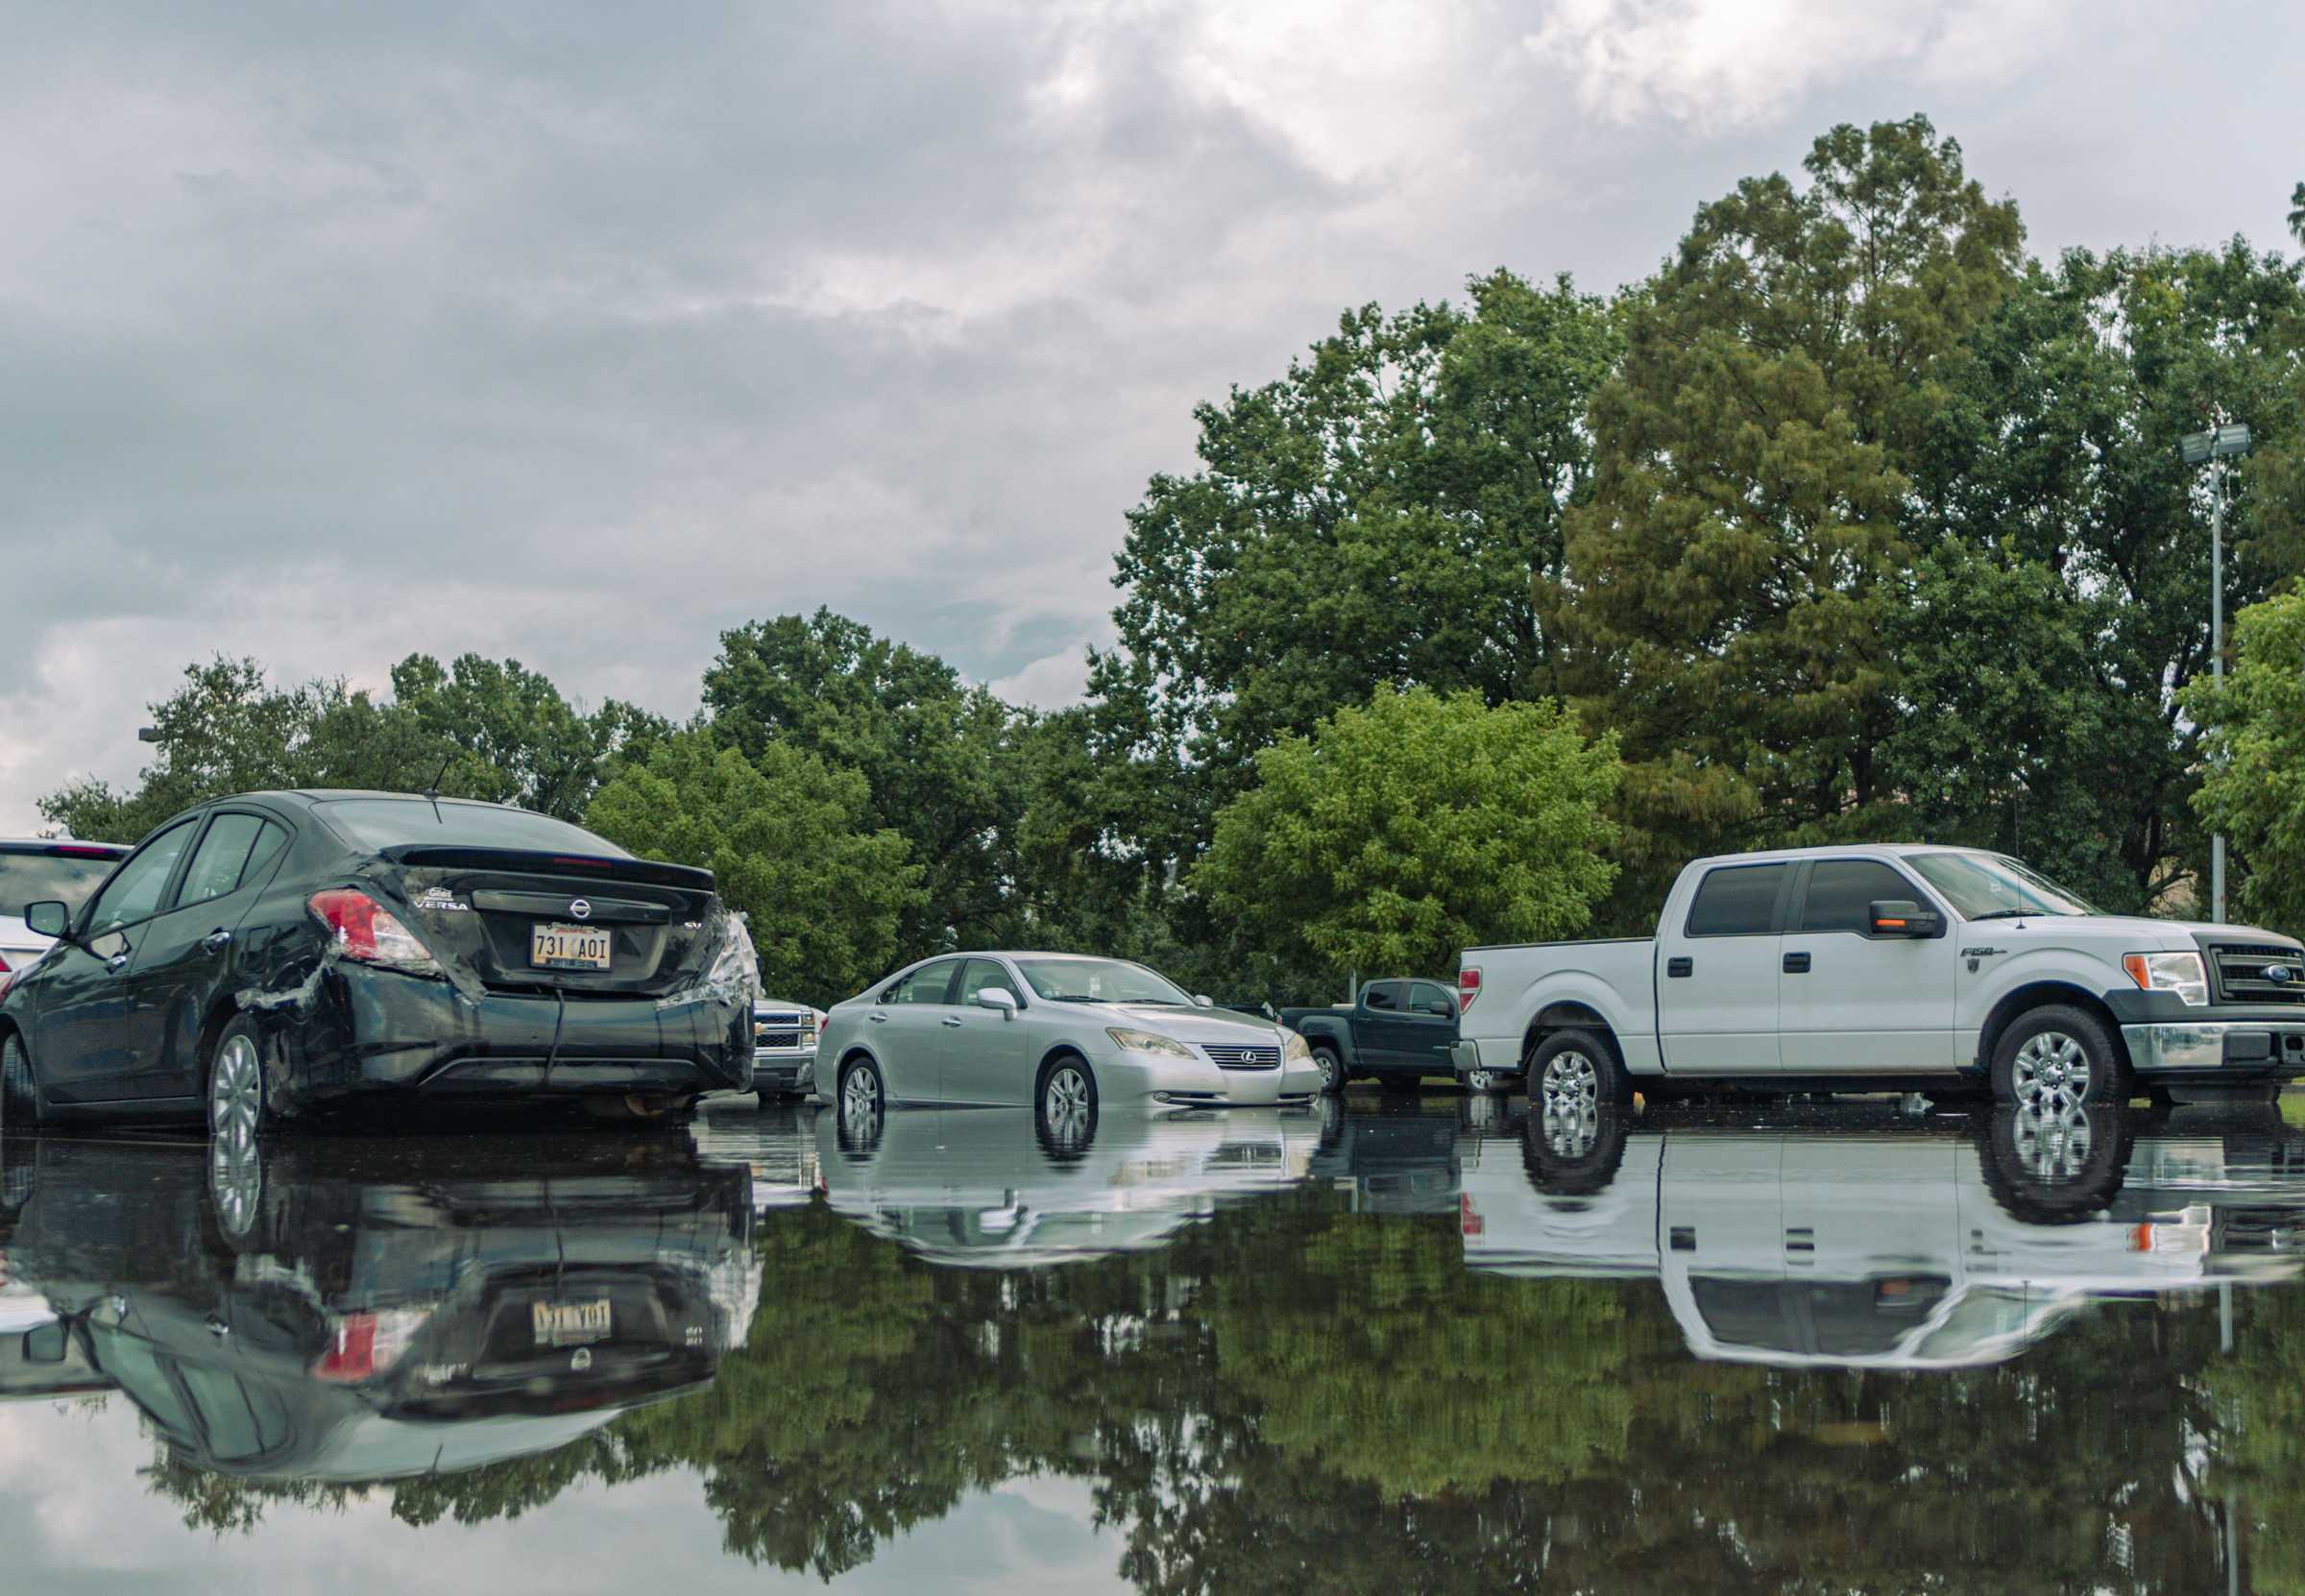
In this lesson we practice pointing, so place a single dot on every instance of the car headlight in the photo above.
(1151, 1042)
(1294, 1048)
(2180, 972)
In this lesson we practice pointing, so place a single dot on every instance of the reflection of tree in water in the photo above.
(1291, 1398)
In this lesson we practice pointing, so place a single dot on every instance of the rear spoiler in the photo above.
(539, 862)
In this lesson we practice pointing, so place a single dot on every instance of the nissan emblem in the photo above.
(580, 909)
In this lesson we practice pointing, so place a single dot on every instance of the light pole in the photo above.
(2214, 448)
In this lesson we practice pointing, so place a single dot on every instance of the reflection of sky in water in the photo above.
(76, 1514)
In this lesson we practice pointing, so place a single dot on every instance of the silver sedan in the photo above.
(1064, 1033)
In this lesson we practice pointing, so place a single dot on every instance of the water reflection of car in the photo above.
(979, 1189)
(275, 953)
(1063, 1033)
(349, 1311)
(784, 1048)
(1932, 1244)
(1397, 1157)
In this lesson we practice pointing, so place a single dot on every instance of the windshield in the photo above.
(1991, 886)
(394, 822)
(37, 878)
(1098, 981)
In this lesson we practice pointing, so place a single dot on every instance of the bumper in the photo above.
(2263, 1049)
(783, 1072)
(1161, 1085)
(377, 1035)
(1465, 1057)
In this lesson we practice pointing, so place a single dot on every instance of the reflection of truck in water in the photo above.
(1936, 1246)
(338, 1311)
(979, 1188)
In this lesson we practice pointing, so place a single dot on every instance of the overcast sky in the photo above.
(582, 333)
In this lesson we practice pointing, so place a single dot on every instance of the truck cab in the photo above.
(1395, 1032)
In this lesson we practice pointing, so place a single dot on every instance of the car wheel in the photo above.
(235, 1187)
(19, 1093)
(1332, 1068)
(236, 1107)
(1065, 1108)
(1572, 1150)
(1576, 1070)
(2056, 1058)
(1485, 1081)
(2056, 1166)
(861, 1102)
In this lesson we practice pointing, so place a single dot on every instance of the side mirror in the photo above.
(1000, 1000)
(1903, 917)
(1440, 1007)
(46, 1343)
(1202, 1000)
(48, 918)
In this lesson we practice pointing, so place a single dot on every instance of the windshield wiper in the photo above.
(2019, 914)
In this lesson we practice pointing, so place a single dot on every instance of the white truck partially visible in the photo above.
(1888, 967)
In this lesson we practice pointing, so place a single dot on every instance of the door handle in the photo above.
(1678, 967)
(878, 1019)
(217, 940)
(950, 1020)
(1796, 965)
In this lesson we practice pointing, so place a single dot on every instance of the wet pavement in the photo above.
(1387, 1345)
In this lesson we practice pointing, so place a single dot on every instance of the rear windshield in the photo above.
(382, 823)
(37, 878)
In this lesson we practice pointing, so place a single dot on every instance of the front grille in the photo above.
(2240, 968)
(1244, 1058)
(776, 1038)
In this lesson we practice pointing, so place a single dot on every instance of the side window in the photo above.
(220, 859)
(1390, 997)
(981, 973)
(1841, 892)
(134, 894)
(1424, 994)
(266, 848)
(1737, 900)
(927, 985)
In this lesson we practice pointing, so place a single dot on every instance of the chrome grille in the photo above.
(2240, 967)
(1244, 1058)
(776, 1038)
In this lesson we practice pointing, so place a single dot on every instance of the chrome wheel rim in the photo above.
(1479, 1081)
(1331, 1071)
(236, 1092)
(1570, 1129)
(861, 1094)
(1572, 1081)
(2050, 1073)
(2052, 1147)
(235, 1183)
(1064, 1104)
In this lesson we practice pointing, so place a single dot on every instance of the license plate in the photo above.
(568, 1324)
(558, 947)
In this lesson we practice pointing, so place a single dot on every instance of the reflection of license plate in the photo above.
(566, 1324)
(568, 947)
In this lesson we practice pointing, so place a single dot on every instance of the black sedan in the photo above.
(279, 953)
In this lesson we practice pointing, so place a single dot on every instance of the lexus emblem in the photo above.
(580, 909)
(2280, 974)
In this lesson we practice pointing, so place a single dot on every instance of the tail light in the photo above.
(1468, 987)
(366, 931)
(1469, 1217)
(367, 1344)
(3, 964)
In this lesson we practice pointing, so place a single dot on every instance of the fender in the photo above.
(1334, 1028)
(1982, 993)
(1635, 1031)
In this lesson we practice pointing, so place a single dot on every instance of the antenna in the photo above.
(432, 787)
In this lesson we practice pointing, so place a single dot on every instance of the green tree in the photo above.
(1373, 518)
(1728, 589)
(786, 838)
(932, 752)
(521, 742)
(1399, 833)
(2255, 785)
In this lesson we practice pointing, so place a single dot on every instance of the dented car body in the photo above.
(346, 948)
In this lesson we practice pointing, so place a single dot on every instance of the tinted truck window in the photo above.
(1842, 893)
(1737, 900)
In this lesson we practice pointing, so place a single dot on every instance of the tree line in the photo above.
(1855, 520)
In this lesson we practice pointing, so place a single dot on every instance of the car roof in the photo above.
(1845, 850)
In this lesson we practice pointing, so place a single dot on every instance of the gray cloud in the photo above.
(582, 334)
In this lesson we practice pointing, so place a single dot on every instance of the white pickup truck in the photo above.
(1888, 967)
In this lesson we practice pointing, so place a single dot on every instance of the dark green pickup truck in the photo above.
(1398, 1032)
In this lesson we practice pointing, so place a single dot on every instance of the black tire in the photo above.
(860, 1113)
(2058, 1058)
(1571, 1151)
(1331, 1067)
(1577, 1067)
(19, 1087)
(1064, 1107)
(232, 1082)
(2055, 1168)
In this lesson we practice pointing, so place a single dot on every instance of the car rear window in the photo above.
(40, 877)
(382, 823)
(1739, 899)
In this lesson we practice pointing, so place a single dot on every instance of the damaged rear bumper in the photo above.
(373, 1034)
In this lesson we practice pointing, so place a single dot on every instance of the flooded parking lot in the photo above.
(1384, 1344)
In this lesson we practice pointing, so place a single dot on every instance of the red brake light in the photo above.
(353, 1354)
(1468, 987)
(365, 930)
(1469, 1217)
(3, 970)
(66, 850)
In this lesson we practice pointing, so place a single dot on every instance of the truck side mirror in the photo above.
(1903, 917)
(48, 918)
(1441, 1007)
